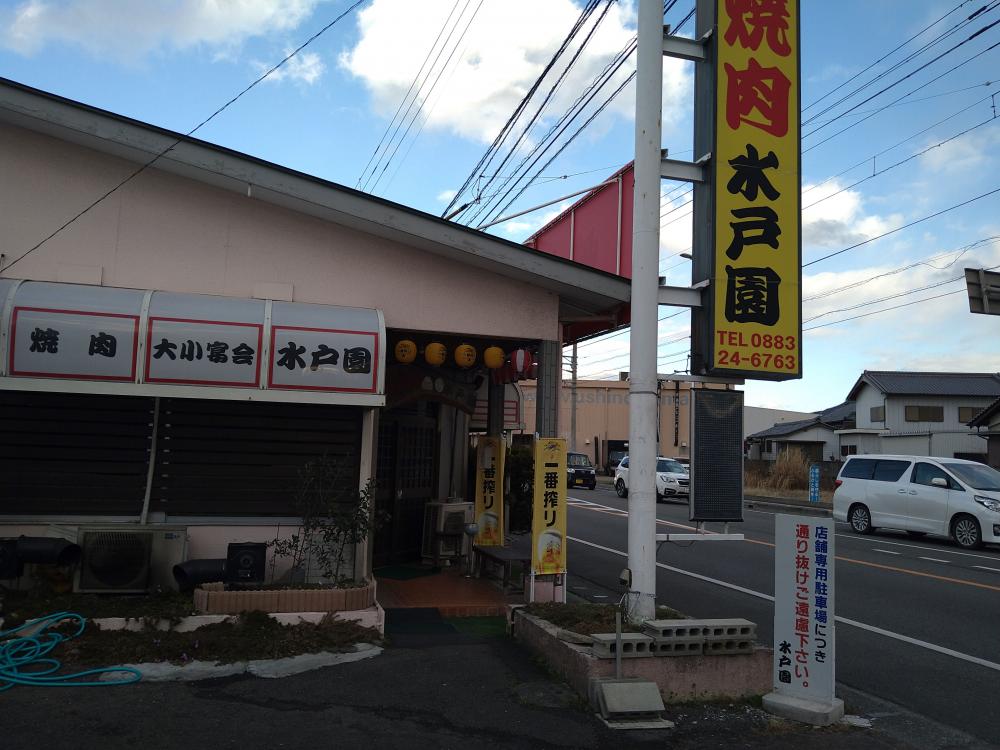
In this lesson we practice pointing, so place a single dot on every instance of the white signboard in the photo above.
(199, 339)
(803, 608)
(306, 357)
(74, 332)
(203, 352)
(167, 339)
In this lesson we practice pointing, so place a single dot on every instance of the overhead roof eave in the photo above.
(581, 289)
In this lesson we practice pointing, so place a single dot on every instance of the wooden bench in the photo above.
(490, 561)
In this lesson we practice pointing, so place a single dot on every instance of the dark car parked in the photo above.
(580, 471)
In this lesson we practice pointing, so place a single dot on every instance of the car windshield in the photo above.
(977, 476)
(669, 465)
(577, 459)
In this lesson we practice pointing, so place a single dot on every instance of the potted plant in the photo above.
(336, 515)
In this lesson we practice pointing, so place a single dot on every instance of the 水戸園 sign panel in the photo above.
(756, 298)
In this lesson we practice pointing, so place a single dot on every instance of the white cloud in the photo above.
(128, 30)
(507, 46)
(970, 153)
(839, 220)
(305, 67)
(446, 195)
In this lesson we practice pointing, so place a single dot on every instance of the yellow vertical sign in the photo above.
(548, 522)
(757, 300)
(490, 455)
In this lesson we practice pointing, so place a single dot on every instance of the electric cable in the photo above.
(406, 96)
(429, 92)
(481, 164)
(904, 226)
(142, 168)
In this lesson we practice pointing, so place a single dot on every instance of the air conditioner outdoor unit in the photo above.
(126, 558)
(449, 518)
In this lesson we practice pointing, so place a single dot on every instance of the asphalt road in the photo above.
(918, 620)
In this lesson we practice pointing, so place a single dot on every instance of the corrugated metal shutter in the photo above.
(237, 458)
(73, 454)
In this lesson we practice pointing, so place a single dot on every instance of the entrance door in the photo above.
(406, 480)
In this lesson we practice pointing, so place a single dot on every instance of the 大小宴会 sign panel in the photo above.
(756, 301)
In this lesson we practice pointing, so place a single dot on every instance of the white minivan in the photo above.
(920, 495)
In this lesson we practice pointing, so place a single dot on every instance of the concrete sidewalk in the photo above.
(440, 684)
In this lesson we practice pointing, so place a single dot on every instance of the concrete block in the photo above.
(661, 629)
(678, 646)
(726, 628)
(816, 713)
(723, 647)
(732, 629)
(633, 645)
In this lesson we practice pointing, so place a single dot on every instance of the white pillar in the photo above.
(645, 285)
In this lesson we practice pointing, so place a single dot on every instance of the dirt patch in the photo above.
(254, 635)
(586, 619)
(20, 606)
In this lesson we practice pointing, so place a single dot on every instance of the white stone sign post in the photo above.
(804, 622)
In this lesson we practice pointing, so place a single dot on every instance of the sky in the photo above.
(402, 99)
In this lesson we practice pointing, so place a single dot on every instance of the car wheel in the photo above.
(621, 489)
(593, 486)
(966, 532)
(860, 519)
(659, 498)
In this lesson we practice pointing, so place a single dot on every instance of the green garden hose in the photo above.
(26, 660)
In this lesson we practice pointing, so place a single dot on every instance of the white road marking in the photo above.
(885, 551)
(847, 621)
(937, 560)
(983, 567)
(857, 538)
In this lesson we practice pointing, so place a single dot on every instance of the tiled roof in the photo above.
(982, 419)
(930, 383)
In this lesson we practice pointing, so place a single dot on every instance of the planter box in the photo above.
(690, 678)
(213, 599)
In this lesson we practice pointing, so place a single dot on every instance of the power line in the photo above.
(896, 66)
(891, 297)
(430, 91)
(901, 162)
(191, 132)
(960, 252)
(406, 96)
(913, 91)
(505, 130)
(879, 312)
(888, 54)
(905, 226)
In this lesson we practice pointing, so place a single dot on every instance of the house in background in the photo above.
(987, 422)
(919, 413)
(815, 437)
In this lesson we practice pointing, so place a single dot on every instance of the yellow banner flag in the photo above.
(489, 491)
(548, 524)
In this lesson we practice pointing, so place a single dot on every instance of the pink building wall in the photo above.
(162, 231)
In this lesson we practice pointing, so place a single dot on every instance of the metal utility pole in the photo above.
(572, 412)
(645, 300)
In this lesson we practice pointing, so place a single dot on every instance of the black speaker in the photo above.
(245, 562)
(10, 564)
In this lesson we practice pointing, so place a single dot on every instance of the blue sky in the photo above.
(172, 63)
